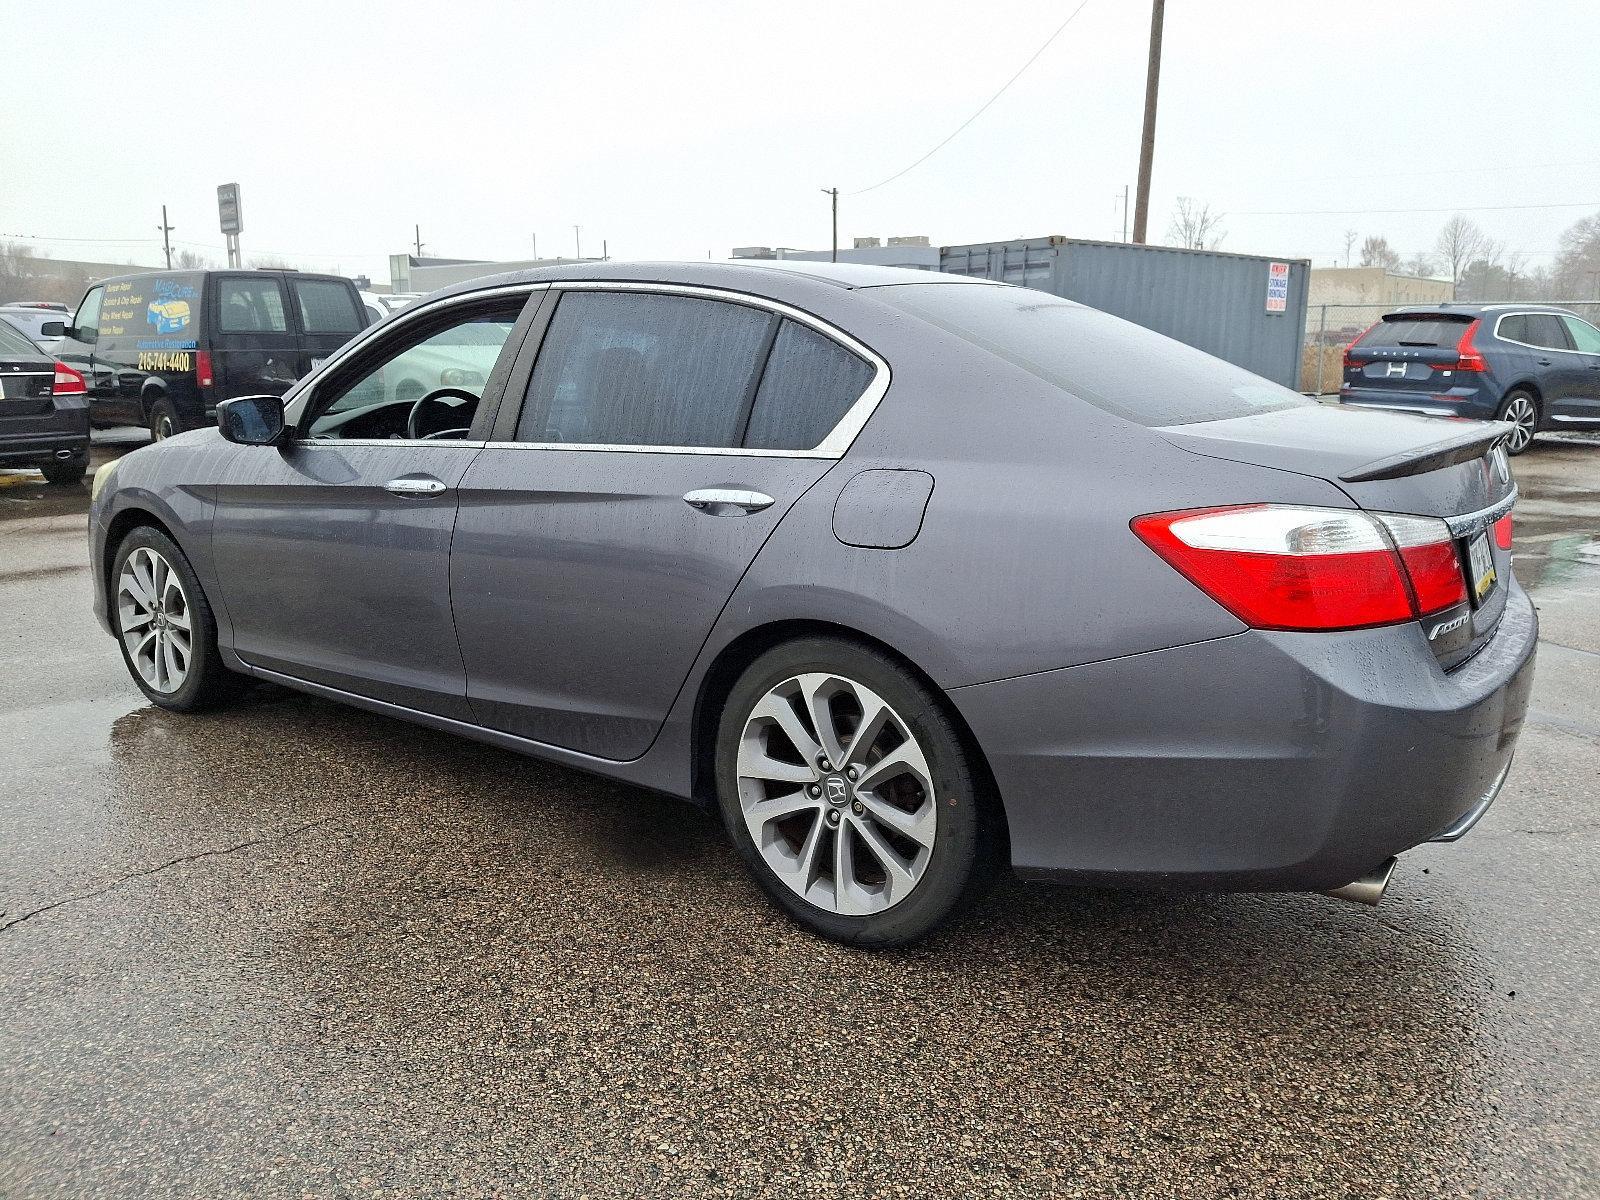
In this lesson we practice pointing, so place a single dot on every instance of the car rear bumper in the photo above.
(1456, 403)
(31, 448)
(1259, 761)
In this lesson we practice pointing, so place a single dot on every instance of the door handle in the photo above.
(1543, 362)
(726, 501)
(414, 486)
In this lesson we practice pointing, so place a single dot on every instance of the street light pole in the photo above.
(833, 255)
(1147, 143)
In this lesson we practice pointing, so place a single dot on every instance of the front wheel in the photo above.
(1522, 410)
(847, 792)
(164, 625)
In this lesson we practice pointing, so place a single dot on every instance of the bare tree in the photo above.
(1350, 236)
(1376, 252)
(1460, 241)
(1422, 264)
(1575, 274)
(1195, 226)
(189, 260)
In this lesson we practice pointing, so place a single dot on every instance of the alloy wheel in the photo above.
(836, 793)
(154, 616)
(164, 428)
(1521, 413)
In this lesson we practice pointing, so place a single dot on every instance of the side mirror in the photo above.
(53, 329)
(251, 420)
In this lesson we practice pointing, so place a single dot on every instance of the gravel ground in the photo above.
(297, 950)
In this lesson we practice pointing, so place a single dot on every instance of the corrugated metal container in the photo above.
(1217, 302)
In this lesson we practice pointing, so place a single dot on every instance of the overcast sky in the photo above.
(674, 129)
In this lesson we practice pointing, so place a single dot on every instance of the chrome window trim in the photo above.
(1471, 523)
(303, 385)
(1529, 345)
(335, 443)
(840, 437)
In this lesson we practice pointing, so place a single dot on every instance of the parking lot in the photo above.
(295, 949)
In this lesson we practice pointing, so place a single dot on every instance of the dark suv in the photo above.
(161, 349)
(1533, 365)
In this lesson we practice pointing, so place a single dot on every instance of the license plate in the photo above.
(1480, 566)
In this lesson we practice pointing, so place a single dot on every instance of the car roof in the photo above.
(750, 275)
(1452, 308)
(217, 271)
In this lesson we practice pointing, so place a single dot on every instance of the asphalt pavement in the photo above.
(298, 950)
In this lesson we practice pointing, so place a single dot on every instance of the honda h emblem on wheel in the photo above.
(836, 789)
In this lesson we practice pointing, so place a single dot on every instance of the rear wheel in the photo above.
(65, 470)
(164, 625)
(848, 793)
(164, 422)
(1521, 408)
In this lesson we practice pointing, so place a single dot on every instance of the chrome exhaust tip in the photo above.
(1369, 888)
(63, 455)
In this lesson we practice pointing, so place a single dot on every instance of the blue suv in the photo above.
(1533, 365)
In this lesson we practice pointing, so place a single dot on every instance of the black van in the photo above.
(161, 349)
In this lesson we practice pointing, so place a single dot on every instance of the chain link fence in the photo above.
(1332, 327)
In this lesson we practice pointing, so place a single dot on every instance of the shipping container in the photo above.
(1240, 307)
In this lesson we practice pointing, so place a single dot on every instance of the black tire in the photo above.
(164, 420)
(1518, 401)
(65, 471)
(961, 855)
(207, 683)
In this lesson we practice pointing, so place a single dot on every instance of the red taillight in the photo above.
(1280, 567)
(68, 382)
(1357, 342)
(202, 368)
(1467, 353)
(1502, 532)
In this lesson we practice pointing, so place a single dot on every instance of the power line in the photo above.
(982, 110)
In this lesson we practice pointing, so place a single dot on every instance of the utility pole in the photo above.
(605, 250)
(166, 244)
(419, 241)
(834, 192)
(1124, 212)
(577, 239)
(1147, 143)
(535, 238)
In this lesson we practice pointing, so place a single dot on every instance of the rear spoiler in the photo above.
(1463, 447)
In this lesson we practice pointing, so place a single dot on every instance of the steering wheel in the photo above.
(448, 396)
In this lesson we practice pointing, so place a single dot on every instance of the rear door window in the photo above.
(247, 305)
(1545, 330)
(644, 369)
(326, 306)
(809, 383)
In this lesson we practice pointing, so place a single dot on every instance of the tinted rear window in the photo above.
(1415, 331)
(1114, 364)
(250, 306)
(326, 306)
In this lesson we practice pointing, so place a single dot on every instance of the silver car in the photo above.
(911, 576)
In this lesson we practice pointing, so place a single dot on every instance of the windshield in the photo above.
(1113, 364)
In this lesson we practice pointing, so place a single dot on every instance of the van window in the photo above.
(326, 306)
(644, 369)
(87, 323)
(250, 305)
(809, 383)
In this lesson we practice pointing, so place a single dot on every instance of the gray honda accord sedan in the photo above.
(907, 575)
